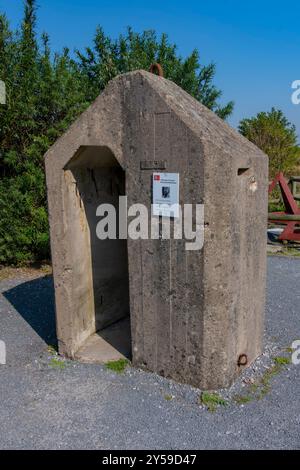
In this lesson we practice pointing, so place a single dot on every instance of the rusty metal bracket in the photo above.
(243, 360)
(156, 69)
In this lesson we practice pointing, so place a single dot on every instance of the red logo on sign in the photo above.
(157, 177)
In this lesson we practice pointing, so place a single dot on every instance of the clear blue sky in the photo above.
(255, 44)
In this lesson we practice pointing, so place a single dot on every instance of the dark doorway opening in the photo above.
(94, 177)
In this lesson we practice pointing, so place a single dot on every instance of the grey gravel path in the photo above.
(77, 406)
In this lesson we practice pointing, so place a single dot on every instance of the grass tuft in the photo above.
(168, 397)
(212, 400)
(57, 363)
(243, 399)
(117, 366)
(52, 349)
(280, 360)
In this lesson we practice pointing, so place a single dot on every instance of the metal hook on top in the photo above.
(156, 69)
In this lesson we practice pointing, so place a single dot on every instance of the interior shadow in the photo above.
(34, 301)
(101, 180)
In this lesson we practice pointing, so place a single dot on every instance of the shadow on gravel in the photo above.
(34, 301)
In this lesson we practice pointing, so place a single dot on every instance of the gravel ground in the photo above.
(47, 403)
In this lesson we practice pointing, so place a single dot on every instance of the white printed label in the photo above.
(166, 194)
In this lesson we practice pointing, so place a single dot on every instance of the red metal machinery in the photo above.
(291, 216)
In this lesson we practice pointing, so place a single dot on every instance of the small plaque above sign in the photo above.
(166, 194)
(153, 165)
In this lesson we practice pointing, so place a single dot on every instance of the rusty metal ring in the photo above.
(156, 69)
(243, 360)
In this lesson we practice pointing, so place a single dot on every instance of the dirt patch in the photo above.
(8, 272)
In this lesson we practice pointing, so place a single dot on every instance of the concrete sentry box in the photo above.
(191, 314)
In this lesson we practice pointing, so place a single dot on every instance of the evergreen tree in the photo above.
(108, 58)
(44, 98)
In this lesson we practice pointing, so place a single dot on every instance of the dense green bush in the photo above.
(45, 93)
(277, 137)
(44, 96)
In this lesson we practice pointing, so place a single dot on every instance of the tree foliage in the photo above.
(108, 58)
(45, 93)
(44, 96)
(276, 136)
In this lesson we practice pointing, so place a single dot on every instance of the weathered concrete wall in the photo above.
(193, 313)
(166, 281)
